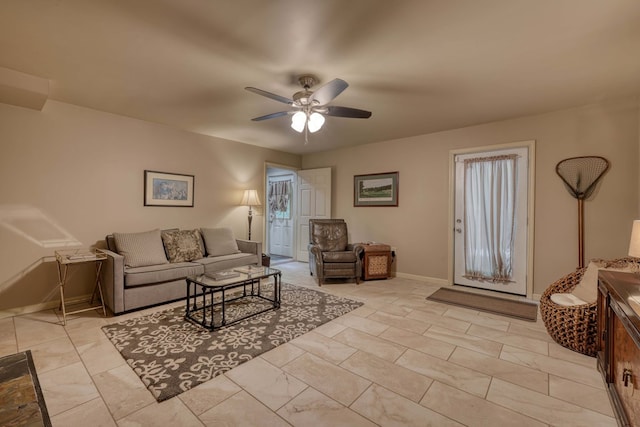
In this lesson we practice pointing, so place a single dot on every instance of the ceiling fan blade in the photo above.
(270, 95)
(325, 94)
(352, 113)
(271, 116)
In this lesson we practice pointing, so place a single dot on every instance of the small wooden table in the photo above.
(68, 257)
(376, 262)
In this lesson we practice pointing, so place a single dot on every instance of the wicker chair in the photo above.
(574, 327)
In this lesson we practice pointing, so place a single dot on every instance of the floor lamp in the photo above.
(250, 198)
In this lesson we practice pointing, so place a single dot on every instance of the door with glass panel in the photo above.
(280, 213)
(490, 220)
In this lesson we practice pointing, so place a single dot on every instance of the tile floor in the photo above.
(397, 361)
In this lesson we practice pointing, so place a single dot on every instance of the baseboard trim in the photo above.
(17, 311)
(433, 280)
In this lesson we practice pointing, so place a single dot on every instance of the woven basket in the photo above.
(574, 327)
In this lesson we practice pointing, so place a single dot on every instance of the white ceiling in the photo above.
(420, 66)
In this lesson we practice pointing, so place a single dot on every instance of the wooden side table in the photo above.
(69, 257)
(376, 262)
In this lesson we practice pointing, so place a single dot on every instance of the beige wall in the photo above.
(418, 226)
(83, 170)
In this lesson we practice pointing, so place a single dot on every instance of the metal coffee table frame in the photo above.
(202, 291)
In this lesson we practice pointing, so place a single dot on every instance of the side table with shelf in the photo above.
(68, 257)
(376, 260)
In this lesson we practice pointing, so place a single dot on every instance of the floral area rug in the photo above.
(172, 355)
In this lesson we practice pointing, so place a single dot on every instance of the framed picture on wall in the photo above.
(378, 189)
(168, 189)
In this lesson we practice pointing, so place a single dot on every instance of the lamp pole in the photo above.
(250, 218)
(251, 199)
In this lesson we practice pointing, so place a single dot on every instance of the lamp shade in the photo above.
(634, 244)
(316, 120)
(298, 121)
(250, 198)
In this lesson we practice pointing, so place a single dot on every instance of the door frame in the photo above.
(265, 189)
(531, 146)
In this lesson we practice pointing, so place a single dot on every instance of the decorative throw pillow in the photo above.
(219, 241)
(182, 245)
(140, 249)
(587, 289)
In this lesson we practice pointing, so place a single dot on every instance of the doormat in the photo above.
(21, 400)
(505, 307)
(172, 355)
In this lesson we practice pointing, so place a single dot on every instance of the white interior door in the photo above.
(281, 228)
(313, 201)
(518, 282)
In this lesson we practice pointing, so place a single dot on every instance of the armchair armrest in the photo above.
(315, 260)
(112, 278)
(358, 249)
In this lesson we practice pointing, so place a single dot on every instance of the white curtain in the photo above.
(489, 192)
(279, 193)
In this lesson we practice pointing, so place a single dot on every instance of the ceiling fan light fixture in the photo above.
(309, 107)
(298, 121)
(316, 120)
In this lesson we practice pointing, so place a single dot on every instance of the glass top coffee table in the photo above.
(230, 296)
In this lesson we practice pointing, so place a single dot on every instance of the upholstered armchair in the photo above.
(330, 254)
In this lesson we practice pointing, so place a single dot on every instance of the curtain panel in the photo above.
(489, 197)
(278, 197)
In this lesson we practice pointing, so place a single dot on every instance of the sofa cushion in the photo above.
(153, 274)
(182, 245)
(567, 300)
(219, 241)
(140, 249)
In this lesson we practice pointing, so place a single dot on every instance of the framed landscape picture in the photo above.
(168, 189)
(379, 189)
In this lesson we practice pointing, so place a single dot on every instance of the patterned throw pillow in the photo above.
(182, 245)
(140, 249)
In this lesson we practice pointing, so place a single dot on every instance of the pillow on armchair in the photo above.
(586, 291)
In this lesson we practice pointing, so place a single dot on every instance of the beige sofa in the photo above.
(149, 268)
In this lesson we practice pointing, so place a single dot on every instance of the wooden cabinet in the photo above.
(376, 262)
(619, 342)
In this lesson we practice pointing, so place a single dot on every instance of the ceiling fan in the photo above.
(309, 107)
